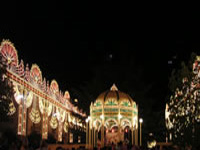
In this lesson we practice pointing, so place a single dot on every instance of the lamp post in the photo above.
(86, 120)
(141, 121)
(89, 132)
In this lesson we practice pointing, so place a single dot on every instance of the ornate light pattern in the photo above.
(182, 113)
(12, 109)
(66, 126)
(114, 109)
(44, 119)
(9, 53)
(53, 122)
(17, 94)
(60, 114)
(60, 129)
(35, 116)
(41, 105)
(33, 92)
(36, 74)
(49, 108)
(28, 98)
(45, 125)
(54, 86)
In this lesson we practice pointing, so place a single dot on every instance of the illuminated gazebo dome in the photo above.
(113, 113)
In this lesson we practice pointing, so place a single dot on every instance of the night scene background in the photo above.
(87, 49)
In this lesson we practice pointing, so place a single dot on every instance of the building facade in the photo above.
(38, 105)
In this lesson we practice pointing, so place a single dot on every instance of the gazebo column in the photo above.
(132, 135)
(89, 146)
(92, 136)
(95, 139)
(102, 135)
(102, 127)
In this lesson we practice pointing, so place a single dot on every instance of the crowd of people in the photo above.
(9, 141)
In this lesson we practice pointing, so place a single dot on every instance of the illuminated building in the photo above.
(38, 105)
(113, 115)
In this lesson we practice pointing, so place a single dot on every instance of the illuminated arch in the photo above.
(36, 73)
(125, 122)
(9, 52)
(54, 86)
(66, 95)
(97, 123)
(109, 123)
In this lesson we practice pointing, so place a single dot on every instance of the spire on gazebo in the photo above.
(114, 87)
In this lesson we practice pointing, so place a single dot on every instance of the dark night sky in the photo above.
(70, 41)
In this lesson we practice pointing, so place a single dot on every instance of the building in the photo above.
(113, 118)
(38, 105)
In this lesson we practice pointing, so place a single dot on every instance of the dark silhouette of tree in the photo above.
(6, 92)
(183, 119)
(177, 74)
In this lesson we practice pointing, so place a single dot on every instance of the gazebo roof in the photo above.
(114, 95)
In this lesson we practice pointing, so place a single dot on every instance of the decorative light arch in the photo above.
(33, 93)
(36, 74)
(111, 119)
(124, 124)
(66, 95)
(54, 87)
(9, 53)
(95, 124)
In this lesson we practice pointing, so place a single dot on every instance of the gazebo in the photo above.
(113, 118)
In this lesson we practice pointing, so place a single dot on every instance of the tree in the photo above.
(177, 74)
(183, 110)
(6, 91)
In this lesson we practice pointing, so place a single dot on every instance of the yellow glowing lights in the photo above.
(53, 122)
(35, 116)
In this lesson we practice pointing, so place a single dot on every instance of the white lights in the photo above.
(19, 97)
(102, 116)
(87, 119)
(119, 116)
(141, 120)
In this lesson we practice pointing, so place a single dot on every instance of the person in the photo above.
(133, 147)
(24, 145)
(43, 145)
(59, 148)
(13, 146)
(124, 146)
(113, 146)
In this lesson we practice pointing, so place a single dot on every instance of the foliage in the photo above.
(6, 91)
(184, 107)
(181, 72)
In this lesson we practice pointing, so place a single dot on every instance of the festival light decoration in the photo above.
(33, 92)
(182, 112)
(9, 53)
(112, 109)
(54, 121)
(12, 109)
(34, 115)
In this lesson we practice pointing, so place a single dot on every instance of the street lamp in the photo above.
(87, 131)
(86, 120)
(141, 121)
